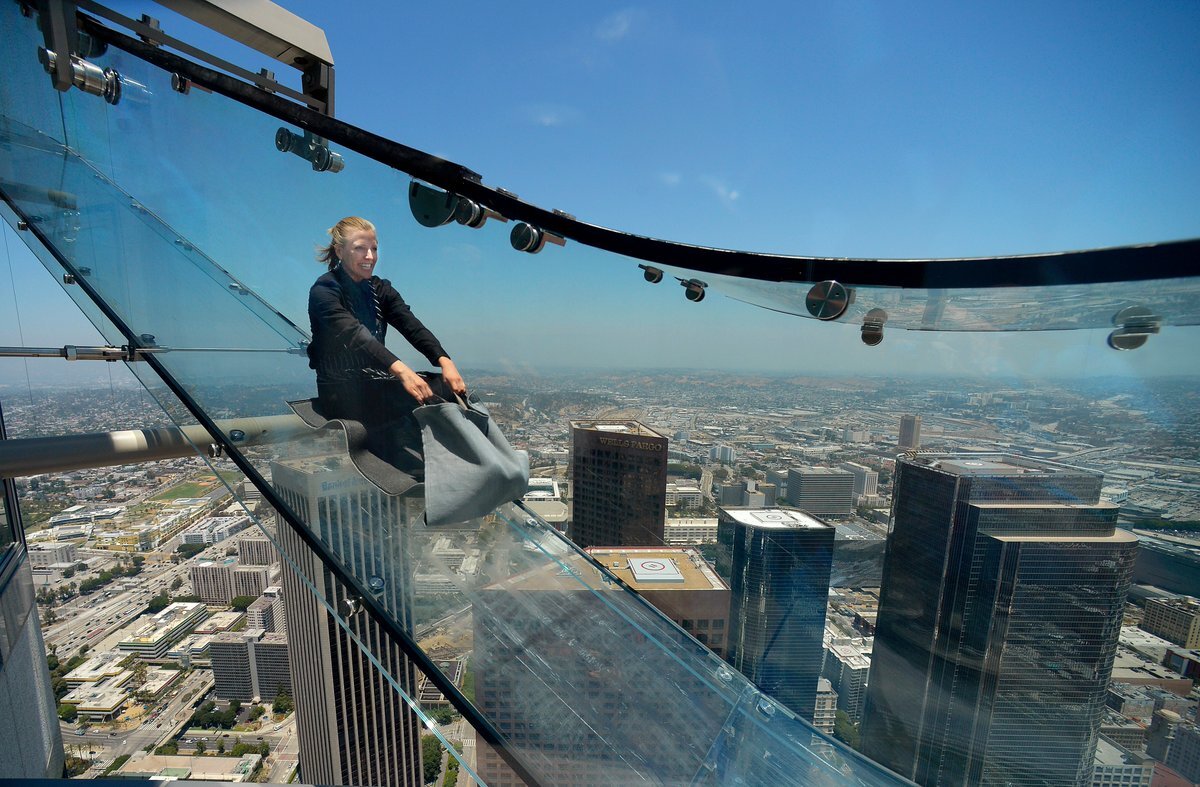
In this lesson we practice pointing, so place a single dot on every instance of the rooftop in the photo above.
(656, 568)
(618, 427)
(775, 518)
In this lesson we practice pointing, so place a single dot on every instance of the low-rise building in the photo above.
(1117, 766)
(686, 531)
(47, 553)
(158, 767)
(154, 638)
(825, 709)
(1174, 619)
(679, 583)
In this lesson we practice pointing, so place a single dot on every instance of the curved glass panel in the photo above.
(187, 222)
(1056, 308)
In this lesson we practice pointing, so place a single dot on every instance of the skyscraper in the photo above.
(1001, 603)
(354, 728)
(822, 491)
(778, 561)
(619, 478)
(910, 431)
(29, 726)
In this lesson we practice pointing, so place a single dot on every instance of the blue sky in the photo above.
(842, 129)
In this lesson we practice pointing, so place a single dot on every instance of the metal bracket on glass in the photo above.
(1135, 324)
(652, 274)
(435, 208)
(872, 326)
(528, 238)
(152, 24)
(88, 77)
(73, 352)
(350, 606)
(693, 289)
(828, 300)
(313, 149)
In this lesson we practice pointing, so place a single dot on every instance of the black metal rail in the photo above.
(1142, 262)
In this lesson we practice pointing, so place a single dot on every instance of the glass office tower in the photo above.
(779, 586)
(1003, 591)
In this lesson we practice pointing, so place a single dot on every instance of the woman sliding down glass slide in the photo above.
(402, 427)
(360, 380)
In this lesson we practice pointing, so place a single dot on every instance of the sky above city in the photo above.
(841, 129)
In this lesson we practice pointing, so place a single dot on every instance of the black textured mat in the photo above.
(390, 479)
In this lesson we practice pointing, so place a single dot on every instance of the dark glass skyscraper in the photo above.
(778, 563)
(1003, 591)
(910, 431)
(619, 484)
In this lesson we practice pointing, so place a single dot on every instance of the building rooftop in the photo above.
(658, 568)
(775, 518)
(619, 427)
(1112, 754)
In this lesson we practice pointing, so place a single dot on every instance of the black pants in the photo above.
(385, 409)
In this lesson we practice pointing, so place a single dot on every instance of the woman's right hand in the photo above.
(413, 383)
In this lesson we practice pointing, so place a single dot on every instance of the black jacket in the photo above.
(343, 348)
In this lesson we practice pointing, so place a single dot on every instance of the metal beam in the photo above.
(262, 26)
(37, 455)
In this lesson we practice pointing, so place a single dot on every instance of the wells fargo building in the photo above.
(619, 481)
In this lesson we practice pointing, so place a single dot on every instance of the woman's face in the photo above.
(359, 254)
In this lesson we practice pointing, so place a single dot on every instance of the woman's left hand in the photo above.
(452, 377)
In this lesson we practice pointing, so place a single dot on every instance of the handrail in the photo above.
(1139, 262)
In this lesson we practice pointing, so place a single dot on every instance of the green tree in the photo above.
(240, 603)
(221, 746)
(283, 703)
(201, 747)
(68, 712)
(845, 730)
(431, 758)
(256, 712)
(50, 617)
(176, 583)
(73, 766)
(169, 748)
(721, 474)
(70, 572)
(158, 603)
(190, 550)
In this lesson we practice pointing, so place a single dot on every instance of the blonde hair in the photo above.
(337, 234)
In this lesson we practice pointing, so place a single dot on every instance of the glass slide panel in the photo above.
(1061, 307)
(184, 219)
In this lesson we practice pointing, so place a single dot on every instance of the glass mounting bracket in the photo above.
(313, 149)
(1135, 325)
